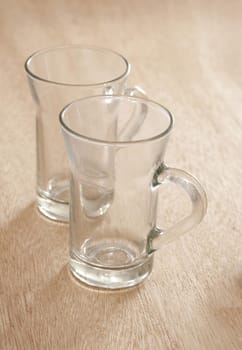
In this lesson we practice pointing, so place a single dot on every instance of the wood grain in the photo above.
(187, 54)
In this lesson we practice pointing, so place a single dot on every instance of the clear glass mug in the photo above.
(115, 180)
(56, 77)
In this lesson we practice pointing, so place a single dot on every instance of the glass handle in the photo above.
(136, 120)
(164, 174)
(133, 91)
(136, 91)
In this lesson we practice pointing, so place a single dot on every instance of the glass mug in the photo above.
(115, 180)
(56, 77)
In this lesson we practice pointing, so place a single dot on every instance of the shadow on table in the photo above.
(83, 314)
(42, 296)
(33, 248)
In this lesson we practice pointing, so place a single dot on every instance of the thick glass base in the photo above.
(111, 278)
(53, 209)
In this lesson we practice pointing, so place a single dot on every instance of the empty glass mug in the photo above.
(58, 76)
(115, 180)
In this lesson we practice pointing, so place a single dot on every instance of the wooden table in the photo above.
(187, 55)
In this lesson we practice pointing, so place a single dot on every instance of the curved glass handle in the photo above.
(192, 187)
(136, 91)
(135, 120)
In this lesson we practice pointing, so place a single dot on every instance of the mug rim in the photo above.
(82, 47)
(116, 143)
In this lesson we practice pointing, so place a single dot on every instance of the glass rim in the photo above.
(116, 143)
(82, 47)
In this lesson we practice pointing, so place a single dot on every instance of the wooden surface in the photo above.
(187, 54)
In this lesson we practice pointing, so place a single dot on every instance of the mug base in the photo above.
(110, 278)
(54, 210)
